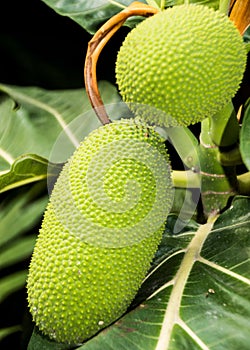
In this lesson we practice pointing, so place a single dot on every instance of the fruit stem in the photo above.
(186, 179)
(218, 182)
(224, 6)
(224, 127)
(163, 4)
(95, 46)
(239, 13)
(244, 183)
(231, 157)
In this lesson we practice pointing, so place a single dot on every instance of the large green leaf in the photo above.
(89, 14)
(92, 13)
(19, 250)
(12, 283)
(26, 169)
(37, 124)
(244, 137)
(41, 115)
(18, 214)
(196, 295)
(39, 341)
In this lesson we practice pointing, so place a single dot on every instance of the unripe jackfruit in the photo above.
(181, 65)
(100, 231)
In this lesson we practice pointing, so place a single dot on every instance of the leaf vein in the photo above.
(224, 270)
(6, 156)
(189, 331)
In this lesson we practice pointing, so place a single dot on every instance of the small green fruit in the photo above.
(100, 231)
(181, 65)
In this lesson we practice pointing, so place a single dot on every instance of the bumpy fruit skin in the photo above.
(91, 256)
(181, 65)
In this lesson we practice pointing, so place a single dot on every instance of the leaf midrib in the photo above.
(45, 107)
(192, 254)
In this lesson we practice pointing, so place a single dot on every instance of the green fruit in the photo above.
(181, 65)
(100, 231)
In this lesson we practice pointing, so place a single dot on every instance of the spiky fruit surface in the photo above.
(100, 231)
(181, 65)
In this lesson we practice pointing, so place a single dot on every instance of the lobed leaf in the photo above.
(26, 169)
(197, 294)
(38, 125)
(92, 14)
(210, 310)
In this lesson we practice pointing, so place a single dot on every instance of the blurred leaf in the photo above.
(12, 283)
(19, 250)
(244, 137)
(4, 332)
(246, 35)
(38, 125)
(197, 294)
(246, 38)
(32, 118)
(92, 14)
(210, 3)
(26, 169)
(19, 215)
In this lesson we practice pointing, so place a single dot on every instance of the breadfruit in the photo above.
(100, 231)
(181, 65)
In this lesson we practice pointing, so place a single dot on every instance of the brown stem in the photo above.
(95, 46)
(239, 13)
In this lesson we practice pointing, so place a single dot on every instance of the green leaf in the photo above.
(197, 296)
(89, 14)
(33, 118)
(37, 125)
(92, 14)
(18, 215)
(26, 169)
(12, 283)
(244, 137)
(39, 342)
(246, 38)
(4, 332)
(19, 250)
(209, 3)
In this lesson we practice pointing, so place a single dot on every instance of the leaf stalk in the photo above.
(95, 47)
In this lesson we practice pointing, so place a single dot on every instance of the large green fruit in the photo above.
(100, 231)
(181, 65)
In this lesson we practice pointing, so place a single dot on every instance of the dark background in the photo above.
(39, 47)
